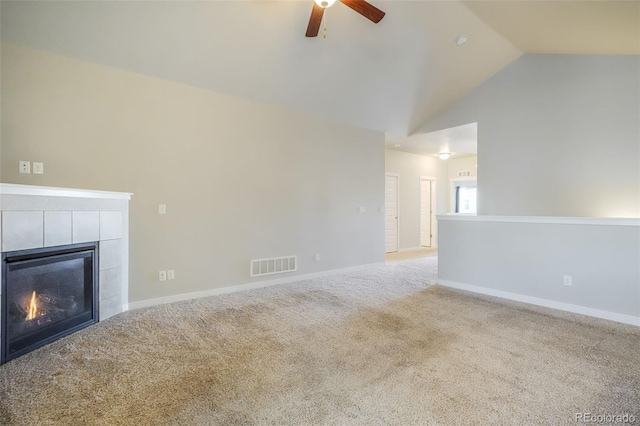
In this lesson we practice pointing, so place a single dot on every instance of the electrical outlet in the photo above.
(171, 274)
(317, 257)
(25, 166)
(38, 168)
(568, 281)
(162, 276)
(162, 208)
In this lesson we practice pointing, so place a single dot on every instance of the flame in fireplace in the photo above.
(33, 307)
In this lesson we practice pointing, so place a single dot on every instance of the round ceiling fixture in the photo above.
(325, 3)
(461, 39)
(444, 155)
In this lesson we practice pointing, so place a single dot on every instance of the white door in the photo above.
(391, 213)
(425, 213)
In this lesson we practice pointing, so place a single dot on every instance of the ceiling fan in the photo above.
(365, 9)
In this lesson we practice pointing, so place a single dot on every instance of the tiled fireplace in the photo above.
(66, 253)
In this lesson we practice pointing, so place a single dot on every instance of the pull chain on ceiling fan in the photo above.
(364, 8)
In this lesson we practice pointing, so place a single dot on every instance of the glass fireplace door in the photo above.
(47, 293)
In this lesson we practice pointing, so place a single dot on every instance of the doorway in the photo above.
(391, 185)
(427, 209)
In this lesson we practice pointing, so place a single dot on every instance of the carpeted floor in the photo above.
(380, 346)
(413, 254)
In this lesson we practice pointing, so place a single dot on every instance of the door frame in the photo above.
(432, 221)
(397, 176)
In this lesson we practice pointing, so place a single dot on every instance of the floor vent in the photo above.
(274, 265)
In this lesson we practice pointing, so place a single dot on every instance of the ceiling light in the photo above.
(397, 145)
(325, 3)
(444, 155)
(461, 39)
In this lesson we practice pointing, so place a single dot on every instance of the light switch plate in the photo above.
(24, 166)
(38, 168)
(162, 208)
(362, 209)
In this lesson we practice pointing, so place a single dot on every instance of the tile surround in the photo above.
(86, 226)
(110, 254)
(57, 228)
(22, 230)
(34, 217)
(110, 225)
(110, 282)
(110, 292)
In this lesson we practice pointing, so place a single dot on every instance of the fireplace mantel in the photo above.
(40, 216)
(51, 191)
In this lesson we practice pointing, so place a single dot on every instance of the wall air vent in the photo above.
(274, 265)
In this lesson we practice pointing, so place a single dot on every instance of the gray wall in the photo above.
(558, 135)
(240, 180)
(531, 259)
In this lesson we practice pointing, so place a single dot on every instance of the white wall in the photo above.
(240, 180)
(455, 165)
(410, 167)
(558, 135)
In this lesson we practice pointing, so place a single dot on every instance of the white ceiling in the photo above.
(570, 27)
(390, 77)
(460, 141)
(539, 26)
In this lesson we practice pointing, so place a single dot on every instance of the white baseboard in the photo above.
(577, 309)
(241, 287)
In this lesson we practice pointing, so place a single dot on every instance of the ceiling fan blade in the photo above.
(365, 9)
(315, 20)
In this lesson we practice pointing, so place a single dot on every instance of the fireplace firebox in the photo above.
(47, 293)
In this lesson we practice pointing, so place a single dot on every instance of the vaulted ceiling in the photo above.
(391, 76)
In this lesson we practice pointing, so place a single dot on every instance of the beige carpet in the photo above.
(374, 347)
(413, 254)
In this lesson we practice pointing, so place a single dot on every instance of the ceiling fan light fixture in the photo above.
(444, 155)
(325, 3)
(362, 7)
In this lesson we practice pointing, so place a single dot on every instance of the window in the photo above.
(466, 199)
